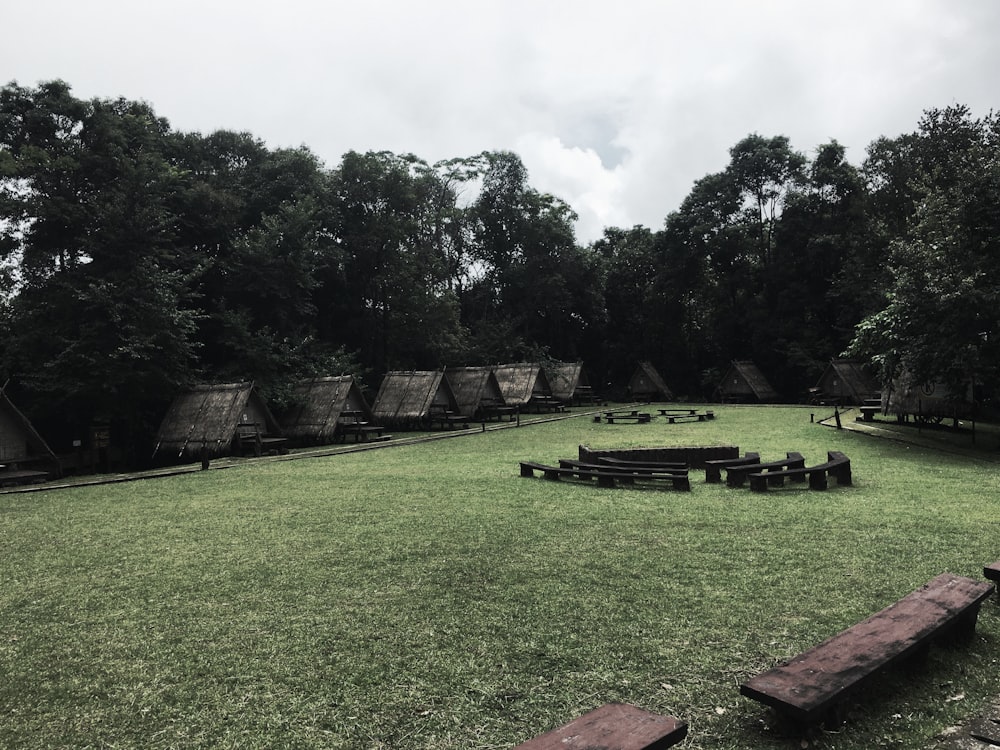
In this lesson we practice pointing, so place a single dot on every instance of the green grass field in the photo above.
(427, 596)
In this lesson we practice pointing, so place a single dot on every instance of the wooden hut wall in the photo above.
(19, 441)
(647, 383)
(408, 396)
(745, 380)
(847, 381)
(908, 397)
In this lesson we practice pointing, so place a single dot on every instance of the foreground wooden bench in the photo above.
(611, 478)
(613, 726)
(624, 469)
(816, 685)
(736, 476)
(714, 466)
(837, 465)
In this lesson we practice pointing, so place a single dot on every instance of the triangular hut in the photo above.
(569, 383)
(321, 409)
(219, 419)
(476, 390)
(845, 381)
(525, 385)
(24, 454)
(413, 398)
(745, 382)
(647, 385)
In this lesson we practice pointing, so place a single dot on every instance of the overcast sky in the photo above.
(617, 108)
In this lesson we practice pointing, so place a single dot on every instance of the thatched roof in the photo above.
(19, 440)
(210, 415)
(647, 384)
(519, 383)
(407, 396)
(317, 404)
(745, 380)
(566, 379)
(472, 386)
(847, 380)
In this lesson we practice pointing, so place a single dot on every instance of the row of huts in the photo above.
(221, 418)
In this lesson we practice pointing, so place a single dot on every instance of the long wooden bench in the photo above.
(613, 726)
(714, 466)
(837, 465)
(624, 469)
(663, 465)
(817, 685)
(736, 476)
(13, 477)
(992, 571)
(604, 478)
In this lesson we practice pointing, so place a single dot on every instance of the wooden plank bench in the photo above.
(992, 571)
(816, 686)
(604, 478)
(837, 465)
(640, 417)
(736, 476)
(613, 726)
(662, 465)
(714, 466)
(868, 413)
(14, 477)
(624, 469)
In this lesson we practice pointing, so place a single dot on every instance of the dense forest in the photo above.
(136, 260)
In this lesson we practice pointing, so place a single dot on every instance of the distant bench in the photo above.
(837, 465)
(816, 685)
(686, 415)
(650, 464)
(613, 726)
(605, 477)
(714, 467)
(736, 476)
(638, 417)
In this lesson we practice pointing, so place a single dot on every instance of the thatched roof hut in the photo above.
(845, 381)
(218, 417)
(411, 397)
(317, 405)
(569, 382)
(745, 382)
(523, 383)
(647, 385)
(21, 445)
(474, 389)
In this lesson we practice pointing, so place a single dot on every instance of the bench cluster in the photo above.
(816, 686)
(672, 416)
(610, 471)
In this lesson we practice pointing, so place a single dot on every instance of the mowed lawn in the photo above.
(427, 596)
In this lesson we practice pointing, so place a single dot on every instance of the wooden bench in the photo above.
(714, 466)
(992, 571)
(362, 431)
(816, 685)
(447, 419)
(14, 477)
(613, 726)
(639, 417)
(868, 413)
(661, 465)
(736, 476)
(624, 469)
(604, 478)
(837, 465)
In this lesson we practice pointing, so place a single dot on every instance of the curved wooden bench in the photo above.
(714, 466)
(736, 476)
(613, 726)
(604, 478)
(661, 465)
(837, 465)
(816, 685)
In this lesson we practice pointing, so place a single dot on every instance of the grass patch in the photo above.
(426, 596)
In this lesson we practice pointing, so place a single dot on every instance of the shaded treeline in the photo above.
(136, 260)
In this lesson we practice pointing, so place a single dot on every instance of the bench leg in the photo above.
(713, 475)
(758, 484)
(817, 480)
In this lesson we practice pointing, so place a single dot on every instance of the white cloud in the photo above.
(615, 109)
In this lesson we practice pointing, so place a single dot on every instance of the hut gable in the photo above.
(410, 396)
(20, 443)
(520, 383)
(906, 396)
(847, 381)
(474, 387)
(317, 405)
(569, 382)
(212, 415)
(647, 385)
(745, 382)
